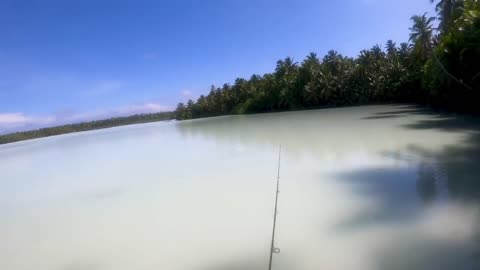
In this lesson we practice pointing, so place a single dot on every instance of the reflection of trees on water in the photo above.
(317, 132)
(449, 173)
(460, 168)
(426, 182)
(431, 182)
(453, 171)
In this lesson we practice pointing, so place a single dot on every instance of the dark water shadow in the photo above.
(451, 173)
(405, 111)
(388, 116)
(413, 109)
(454, 169)
(460, 163)
(421, 254)
(400, 112)
(448, 123)
(399, 193)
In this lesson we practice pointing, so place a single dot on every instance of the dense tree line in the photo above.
(438, 66)
(112, 122)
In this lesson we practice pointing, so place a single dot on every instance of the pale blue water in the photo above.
(375, 187)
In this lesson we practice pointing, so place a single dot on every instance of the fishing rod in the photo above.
(273, 249)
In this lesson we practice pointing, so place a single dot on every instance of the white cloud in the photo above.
(13, 118)
(142, 108)
(10, 122)
(72, 117)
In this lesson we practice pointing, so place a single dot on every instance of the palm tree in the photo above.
(332, 61)
(403, 52)
(421, 34)
(285, 67)
(315, 91)
(377, 52)
(307, 77)
(286, 75)
(448, 11)
(391, 48)
(312, 58)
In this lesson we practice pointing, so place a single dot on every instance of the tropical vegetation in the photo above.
(439, 65)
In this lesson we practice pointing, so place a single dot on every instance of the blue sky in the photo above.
(69, 61)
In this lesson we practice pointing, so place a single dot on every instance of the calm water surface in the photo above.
(376, 187)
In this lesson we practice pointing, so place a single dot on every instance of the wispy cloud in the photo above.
(19, 121)
(13, 118)
(11, 122)
(142, 108)
(73, 117)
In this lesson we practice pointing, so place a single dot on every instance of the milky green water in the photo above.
(374, 187)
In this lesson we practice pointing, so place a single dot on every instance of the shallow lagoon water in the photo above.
(372, 187)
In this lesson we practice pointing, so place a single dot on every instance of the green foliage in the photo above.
(452, 74)
(440, 66)
(335, 80)
(448, 11)
(421, 36)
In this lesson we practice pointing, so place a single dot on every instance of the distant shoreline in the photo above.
(134, 119)
(156, 117)
(85, 126)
